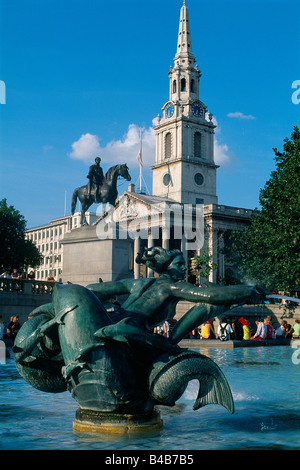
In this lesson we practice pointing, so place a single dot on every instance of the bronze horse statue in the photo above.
(107, 192)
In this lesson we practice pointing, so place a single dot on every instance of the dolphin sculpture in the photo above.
(73, 344)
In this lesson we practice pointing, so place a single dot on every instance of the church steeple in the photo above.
(184, 167)
(184, 43)
(184, 76)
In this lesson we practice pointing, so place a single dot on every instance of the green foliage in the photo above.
(15, 250)
(267, 252)
(203, 264)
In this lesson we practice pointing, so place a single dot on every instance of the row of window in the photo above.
(52, 259)
(45, 234)
(44, 273)
(49, 246)
(197, 145)
(183, 85)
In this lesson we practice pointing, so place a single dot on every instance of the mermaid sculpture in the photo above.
(112, 363)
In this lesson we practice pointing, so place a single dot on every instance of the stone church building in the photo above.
(183, 192)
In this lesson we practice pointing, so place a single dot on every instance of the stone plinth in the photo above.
(87, 258)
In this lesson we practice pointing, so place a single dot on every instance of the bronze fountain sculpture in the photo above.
(114, 365)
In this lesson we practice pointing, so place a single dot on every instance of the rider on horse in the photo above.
(95, 177)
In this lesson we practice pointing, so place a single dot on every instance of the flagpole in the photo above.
(140, 161)
(65, 213)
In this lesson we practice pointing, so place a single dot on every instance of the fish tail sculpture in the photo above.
(171, 374)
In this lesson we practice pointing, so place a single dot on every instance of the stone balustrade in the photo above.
(24, 286)
(21, 296)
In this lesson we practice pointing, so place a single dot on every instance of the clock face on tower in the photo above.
(197, 109)
(169, 111)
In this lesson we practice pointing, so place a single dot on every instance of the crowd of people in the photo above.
(8, 331)
(241, 329)
(163, 329)
(16, 275)
(23, 275)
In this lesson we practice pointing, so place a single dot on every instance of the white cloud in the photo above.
(86, 148)
(222, 153)
(124, 150)
(47, 148)
(239, 115)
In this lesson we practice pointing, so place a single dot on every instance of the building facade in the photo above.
(184, 177)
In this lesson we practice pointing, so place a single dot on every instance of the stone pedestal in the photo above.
(114, 423)
(87, 258)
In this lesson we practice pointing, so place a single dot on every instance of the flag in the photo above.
(139, 155)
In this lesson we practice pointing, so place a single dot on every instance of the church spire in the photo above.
(185, 75)
(184, 44)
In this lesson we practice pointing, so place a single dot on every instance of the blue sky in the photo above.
(82, 77)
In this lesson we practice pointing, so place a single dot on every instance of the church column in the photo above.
(150, 272)
(185, 254)
(213, 250)
(136, 250)
(165, 238)
(221, 257)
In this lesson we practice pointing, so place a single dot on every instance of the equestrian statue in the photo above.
(100, 188)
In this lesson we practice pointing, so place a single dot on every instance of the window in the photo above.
(166, 179)
(198, 179)
(183, 84)
(197, 144)
(168, 145)
(192, 86)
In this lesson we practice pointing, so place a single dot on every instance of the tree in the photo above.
(15, 250)
(203, 265)
(267, 252)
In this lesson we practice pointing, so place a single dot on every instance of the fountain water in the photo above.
(264, 382)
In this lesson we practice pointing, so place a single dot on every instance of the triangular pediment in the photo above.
(131, 205)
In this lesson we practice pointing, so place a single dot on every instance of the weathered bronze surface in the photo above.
(113, 363)
(99, 188)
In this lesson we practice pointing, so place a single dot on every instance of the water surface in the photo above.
(265, 385)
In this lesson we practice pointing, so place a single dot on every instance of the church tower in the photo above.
(184, 167)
